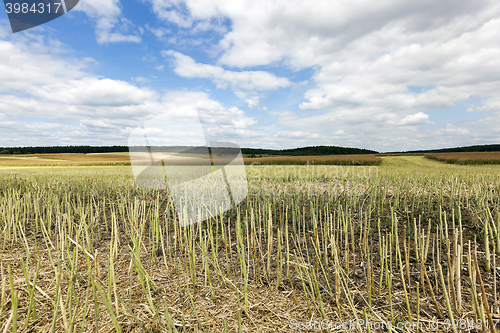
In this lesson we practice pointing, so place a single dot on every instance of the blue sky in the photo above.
(385, 75)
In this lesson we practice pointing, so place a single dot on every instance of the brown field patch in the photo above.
(466, 158)
(123, 159)
(63, 159)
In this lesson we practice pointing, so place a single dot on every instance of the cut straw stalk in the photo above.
(483, 294)
(447, 299)
(109, 307)
(487, 246)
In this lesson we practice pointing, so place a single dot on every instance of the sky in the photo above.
(385, 75)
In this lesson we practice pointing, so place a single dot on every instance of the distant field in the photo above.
(124, 159)
(466, 158)
(367, 159)
(64, 159)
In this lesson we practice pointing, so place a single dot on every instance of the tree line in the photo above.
(466, 149)
(251, 152)
(305, 151)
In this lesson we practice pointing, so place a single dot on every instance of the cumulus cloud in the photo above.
(56, 100)
(414, 119)
(175, 11)
(110, 27)
(247, 80)
(244, 83)
(379, 72)
(92, 91)
(377, 65)
(263, 32)
(18, 70)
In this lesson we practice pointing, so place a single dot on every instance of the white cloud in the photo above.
(378, 65)
(92, 91)
(111, 27)
(110, 124)
(159, 32)
(252, 101)
(56, 101)
(296, 135)
(177, 12)
(245, 84)
(56, 83)
(185, 66)
(452, 129)
(18, 70)
(140, 79)
(414, 119)
(380, 70)
(490, 104)
(263, 32)
(172, 11)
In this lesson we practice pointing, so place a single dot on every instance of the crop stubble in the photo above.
(83, 247)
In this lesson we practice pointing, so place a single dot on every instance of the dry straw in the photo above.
(84, 249)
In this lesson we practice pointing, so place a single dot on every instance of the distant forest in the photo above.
(467, 149)
(63, 149)
(306, 151)
(252, 152)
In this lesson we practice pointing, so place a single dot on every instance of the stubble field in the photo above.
(467, 158)
(411, 241)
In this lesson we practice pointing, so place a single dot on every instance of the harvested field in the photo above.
(123, 159)
(367, 159)
(466, 158)
(64, 159)
(85, 250)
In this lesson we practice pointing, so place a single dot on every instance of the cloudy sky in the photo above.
(385, 75)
